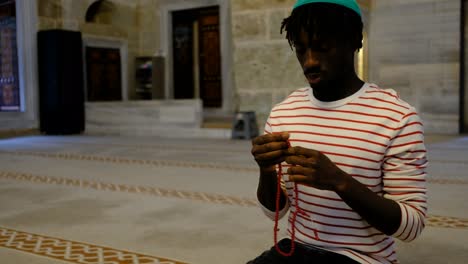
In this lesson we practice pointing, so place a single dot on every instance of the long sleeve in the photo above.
(404, 179)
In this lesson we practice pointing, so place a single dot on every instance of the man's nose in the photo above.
(310, 58)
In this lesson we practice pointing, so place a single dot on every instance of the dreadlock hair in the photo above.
(324, 22)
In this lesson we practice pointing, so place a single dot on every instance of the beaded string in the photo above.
(294, 215)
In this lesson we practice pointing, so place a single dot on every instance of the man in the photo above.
(353, 176)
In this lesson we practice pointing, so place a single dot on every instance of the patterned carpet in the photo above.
(434, 221)
(230, 159)
(72, 251)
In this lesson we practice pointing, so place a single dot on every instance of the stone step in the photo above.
(160, 131)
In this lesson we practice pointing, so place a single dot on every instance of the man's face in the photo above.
(323, 62)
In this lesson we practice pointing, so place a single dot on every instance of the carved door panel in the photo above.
(197, 56)
(210, 59)
(103, 74)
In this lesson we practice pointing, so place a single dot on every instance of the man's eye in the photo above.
(324, 48)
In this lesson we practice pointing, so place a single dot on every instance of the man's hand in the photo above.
(313, 168)
(269, 150)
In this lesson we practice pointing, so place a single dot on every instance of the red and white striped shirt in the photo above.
(376, 138)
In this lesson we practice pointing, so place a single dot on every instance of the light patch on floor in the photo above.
(152, 146)
(172, 163)
(434, 221)
(149, 190)
(72, 251)
(119, 160)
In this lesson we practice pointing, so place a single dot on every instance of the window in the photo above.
(9, 78)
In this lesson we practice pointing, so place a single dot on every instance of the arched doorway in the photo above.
(105, 59)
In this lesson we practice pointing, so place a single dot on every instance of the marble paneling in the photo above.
(133, 116)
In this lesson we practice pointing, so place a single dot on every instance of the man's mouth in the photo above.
(313, 78)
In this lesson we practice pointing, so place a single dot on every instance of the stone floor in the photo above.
(88, 199)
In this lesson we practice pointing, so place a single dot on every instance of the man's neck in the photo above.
(339, 90)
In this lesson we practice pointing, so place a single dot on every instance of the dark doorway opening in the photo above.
(103, 71)
(197, 55)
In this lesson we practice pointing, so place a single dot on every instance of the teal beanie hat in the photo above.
(351, 4)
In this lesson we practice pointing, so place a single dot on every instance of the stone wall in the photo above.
(265, 67)
(148, 21)
(121, 20)
(414, 49)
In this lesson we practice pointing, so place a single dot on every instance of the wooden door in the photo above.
(196, 31)
(210, 59)
(103, 74)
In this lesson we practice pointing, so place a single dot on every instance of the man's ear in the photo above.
(357, 42)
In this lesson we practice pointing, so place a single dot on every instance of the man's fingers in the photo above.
(302, 161)
(269, 149)
(298, 179)
(273, 162)
(265, 148)
(300, 151)
(269, 156)
(261, 140)
(298, 170)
